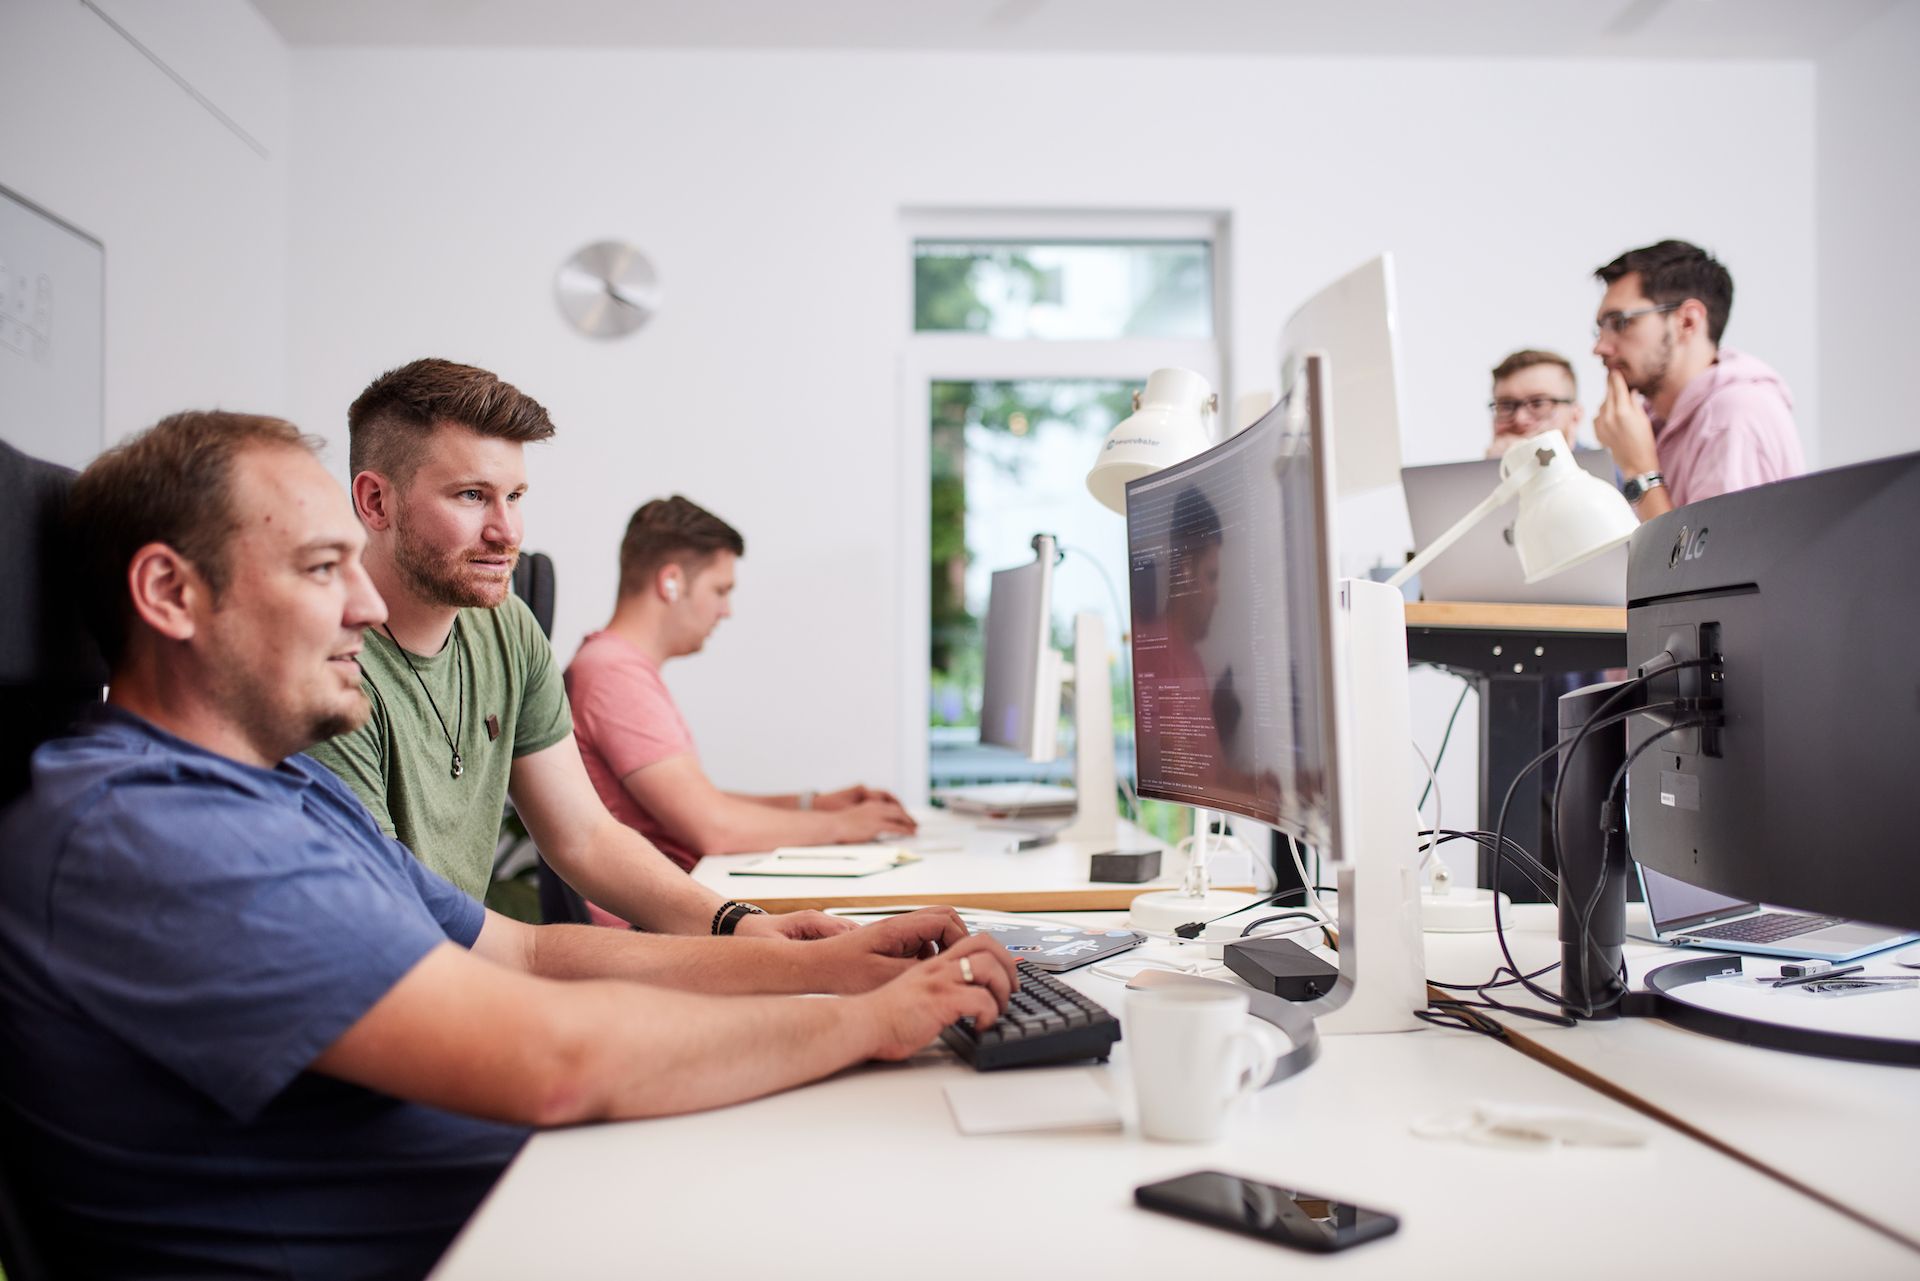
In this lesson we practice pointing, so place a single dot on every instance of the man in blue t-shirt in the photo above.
(242, 1032)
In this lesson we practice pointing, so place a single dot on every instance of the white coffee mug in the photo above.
(1193, 1054)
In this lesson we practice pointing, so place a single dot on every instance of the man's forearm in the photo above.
(621, 871)
(716, 966)
(671, 1052)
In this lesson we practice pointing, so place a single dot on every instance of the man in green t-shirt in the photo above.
(468, 705)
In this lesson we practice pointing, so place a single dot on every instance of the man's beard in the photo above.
(438, 578)
(1648, 384)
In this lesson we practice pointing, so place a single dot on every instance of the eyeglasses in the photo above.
(1538, 406)
(1616, 322)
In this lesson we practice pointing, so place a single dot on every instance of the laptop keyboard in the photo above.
(1768, 927)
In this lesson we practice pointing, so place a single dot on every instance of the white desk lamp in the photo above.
(1566, 516)
(1170, 423)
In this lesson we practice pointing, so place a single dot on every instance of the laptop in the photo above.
(1483, 566)
(1687, 916)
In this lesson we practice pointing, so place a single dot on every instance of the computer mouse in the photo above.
(1909, 958)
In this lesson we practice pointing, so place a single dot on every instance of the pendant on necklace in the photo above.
(458, 767)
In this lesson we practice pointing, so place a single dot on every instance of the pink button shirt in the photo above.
(625, 720)
(1732, 428)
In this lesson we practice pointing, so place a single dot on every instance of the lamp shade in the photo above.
(1566, 515)
(1169, 423)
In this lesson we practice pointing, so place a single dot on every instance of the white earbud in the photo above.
(673, 589)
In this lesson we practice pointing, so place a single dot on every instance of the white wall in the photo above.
(192, 217)
(434, 192)
(1868, 99)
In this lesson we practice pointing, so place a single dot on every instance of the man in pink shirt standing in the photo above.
(1713, 420)
(677, 569)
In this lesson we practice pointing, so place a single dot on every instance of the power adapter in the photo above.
(1282, 967)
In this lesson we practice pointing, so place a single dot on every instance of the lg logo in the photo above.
(1690, 545)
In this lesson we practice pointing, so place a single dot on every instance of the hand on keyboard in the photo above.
(912, 1009)
(1047, 1021)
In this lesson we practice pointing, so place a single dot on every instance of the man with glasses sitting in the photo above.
(1533, 391)
(1713, 419)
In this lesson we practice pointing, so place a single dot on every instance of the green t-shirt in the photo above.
(496, 663)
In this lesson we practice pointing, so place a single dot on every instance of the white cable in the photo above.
(1313, 895)
(1433, 781)
(1220, 841)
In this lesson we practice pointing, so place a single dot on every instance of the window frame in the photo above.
(929, 358)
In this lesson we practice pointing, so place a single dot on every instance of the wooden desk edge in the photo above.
(1544, 618)
(1094, 898)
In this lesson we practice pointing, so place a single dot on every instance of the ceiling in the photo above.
(1715, 29)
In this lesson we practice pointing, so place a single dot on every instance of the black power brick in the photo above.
(1282, 967)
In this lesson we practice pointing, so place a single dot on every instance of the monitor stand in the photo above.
(1382, 955)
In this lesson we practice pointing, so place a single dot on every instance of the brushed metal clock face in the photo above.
(607, 289)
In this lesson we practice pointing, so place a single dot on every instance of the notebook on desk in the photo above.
(1685, 915)
(1483, 566)
(829, 860)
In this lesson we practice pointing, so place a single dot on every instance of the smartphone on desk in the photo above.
(1284, 1216)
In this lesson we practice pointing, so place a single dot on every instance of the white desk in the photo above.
(965, 864)
(1847, 1131)
(865, 1174)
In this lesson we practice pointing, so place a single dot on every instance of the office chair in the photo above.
(533, 582)
(50, 670)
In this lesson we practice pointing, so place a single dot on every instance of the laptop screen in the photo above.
(1674, 904)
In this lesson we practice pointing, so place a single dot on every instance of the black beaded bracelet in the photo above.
(731, 913)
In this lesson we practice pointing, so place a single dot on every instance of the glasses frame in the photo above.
(1616, 322)
(1527, 402)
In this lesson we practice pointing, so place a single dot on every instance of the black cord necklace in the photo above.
(458, 766)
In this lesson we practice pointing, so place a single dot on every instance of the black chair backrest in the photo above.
(533, 582)
(50, 670)
(49, 666)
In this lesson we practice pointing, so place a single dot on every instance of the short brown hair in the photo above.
(389, 424)
(1674, 271)
(1530, 357)
(172, 484)
(667, 530)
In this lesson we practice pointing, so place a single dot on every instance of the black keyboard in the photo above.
(1768, 927)
(1045, 1022)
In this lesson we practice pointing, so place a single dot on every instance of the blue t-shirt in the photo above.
(181, 935)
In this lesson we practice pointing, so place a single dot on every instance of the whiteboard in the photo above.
(52, 302)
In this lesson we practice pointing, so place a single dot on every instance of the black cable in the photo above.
(1445, 736)
(1193, 929)
(1606, 846)
(1527, 863)
(1604, 715)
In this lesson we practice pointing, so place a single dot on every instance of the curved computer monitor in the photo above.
(1020, 690)
(1230, 574)
(1353, 320)
(1807, 591)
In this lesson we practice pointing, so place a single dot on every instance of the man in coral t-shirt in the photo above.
(677, 567)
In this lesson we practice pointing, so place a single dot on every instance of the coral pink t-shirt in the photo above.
(625, 720)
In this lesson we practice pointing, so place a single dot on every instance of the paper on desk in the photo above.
(829, 860)
(1010, 1102)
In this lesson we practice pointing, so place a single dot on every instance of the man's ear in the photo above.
(373, 500)
(166, 589)
(1693, 314)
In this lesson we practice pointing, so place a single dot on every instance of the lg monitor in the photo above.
(1806, 592)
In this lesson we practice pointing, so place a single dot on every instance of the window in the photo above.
(1025, 351)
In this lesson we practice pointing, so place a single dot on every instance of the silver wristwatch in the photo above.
(1637, 486)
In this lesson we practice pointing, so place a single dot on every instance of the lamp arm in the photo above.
(1502, 493)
